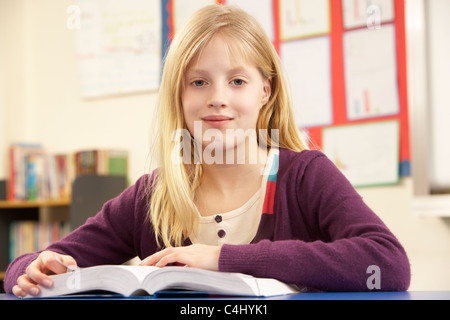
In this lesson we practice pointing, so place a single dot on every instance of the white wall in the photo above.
(11, 75)
(439, 64)
(44, 103)
(426, 240)
(41, 102)
(3, 145)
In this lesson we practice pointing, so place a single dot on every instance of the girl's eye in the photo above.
(198, 83)
(238, 82)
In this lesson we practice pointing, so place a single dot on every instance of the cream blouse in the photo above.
(238, 226)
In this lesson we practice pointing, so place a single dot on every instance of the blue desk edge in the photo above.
(407, 295)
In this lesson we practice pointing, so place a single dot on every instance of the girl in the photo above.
(286, 213)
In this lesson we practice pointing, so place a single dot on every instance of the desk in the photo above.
(416, 295)
(367, 296)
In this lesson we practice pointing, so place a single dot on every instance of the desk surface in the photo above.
(416, 295)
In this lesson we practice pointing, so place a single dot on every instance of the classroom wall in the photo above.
(439, 48)
(12, 25)
(41, 102)
(2, 132)
(42, 68)
(426, 240)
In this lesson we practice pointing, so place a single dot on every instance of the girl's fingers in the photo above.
(36, 273)
(57, 263)
(156, 257)
(196, 256)
(38, 270)
(18, 292)
(26, 286)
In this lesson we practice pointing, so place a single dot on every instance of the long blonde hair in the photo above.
(172, 211)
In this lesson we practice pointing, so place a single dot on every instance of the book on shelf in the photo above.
(35, 174)
(31, 236)
(101, 162)
(140, 280)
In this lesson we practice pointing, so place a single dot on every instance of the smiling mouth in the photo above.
(217, 121)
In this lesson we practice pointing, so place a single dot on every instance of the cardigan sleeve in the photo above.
(115, 235)
(347, 240)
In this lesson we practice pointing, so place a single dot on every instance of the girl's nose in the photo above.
(217, 98)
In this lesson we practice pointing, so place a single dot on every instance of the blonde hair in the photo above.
(172, 211)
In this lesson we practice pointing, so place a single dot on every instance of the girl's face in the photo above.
(222, 94)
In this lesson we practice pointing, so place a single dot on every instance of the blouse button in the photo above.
(221, 233)
(218, 219)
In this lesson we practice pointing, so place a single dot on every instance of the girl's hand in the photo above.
(194, 256)
(38, 270)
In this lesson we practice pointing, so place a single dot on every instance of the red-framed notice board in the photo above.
(346, 64)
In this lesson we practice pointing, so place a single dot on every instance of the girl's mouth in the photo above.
(217, 120)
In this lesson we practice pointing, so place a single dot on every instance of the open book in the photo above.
(139, 280)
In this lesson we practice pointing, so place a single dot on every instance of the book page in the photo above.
(129, 280)
(269, 287)
(193, 279)
(139, 271)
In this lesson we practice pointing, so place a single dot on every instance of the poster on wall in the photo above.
(307, 66)
(367, 154)
(342, 72)
(119, 46)
(360, 13)
(371, 73)
(345, 61)
(262, 10)
(182, 10)
(304, 18)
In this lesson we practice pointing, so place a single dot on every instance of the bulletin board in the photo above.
(346, 64)
(118, 46)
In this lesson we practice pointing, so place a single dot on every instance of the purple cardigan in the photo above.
(321, 234)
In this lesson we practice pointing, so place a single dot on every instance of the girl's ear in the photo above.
(267, 91)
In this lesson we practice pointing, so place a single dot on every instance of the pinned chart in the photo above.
(371, 73)
(367, 154)
(303, 18)
(119, 46)
(309, 74)
(361, 13)
(182, 10)
(262, 10)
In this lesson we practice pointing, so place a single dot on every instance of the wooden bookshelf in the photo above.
(42, 210)
(33, 204)
(89, 192)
